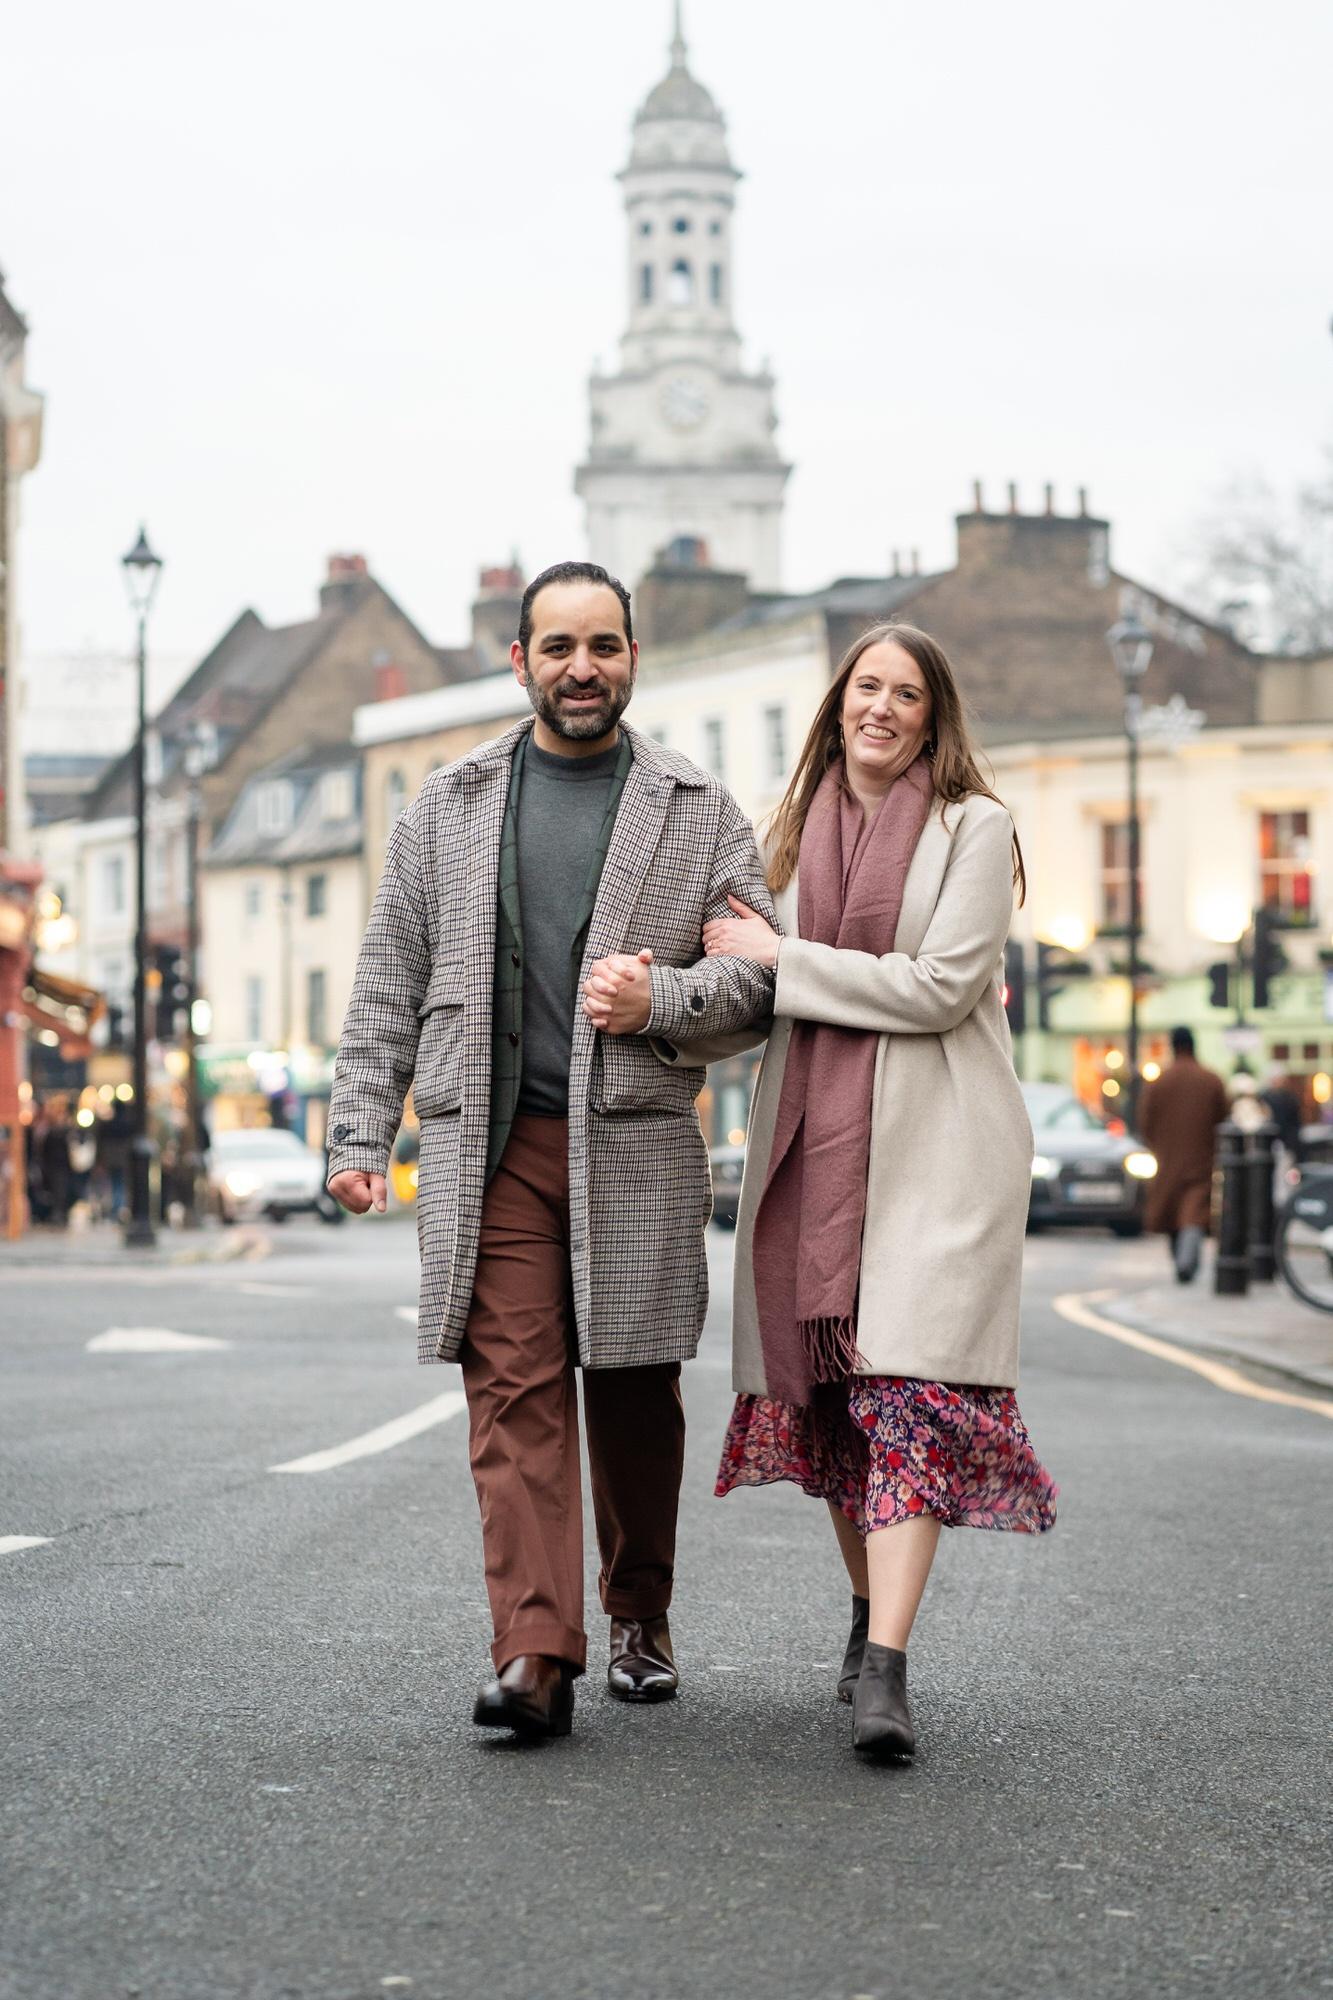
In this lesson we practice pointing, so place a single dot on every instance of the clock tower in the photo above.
(682, 438)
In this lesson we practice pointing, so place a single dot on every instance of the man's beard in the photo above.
(581, 725)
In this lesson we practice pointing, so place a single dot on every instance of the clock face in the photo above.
(684, 402)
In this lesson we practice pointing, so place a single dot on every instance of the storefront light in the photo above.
(1110, 1088)
(86, 1118)
(125, 1092)
(1113, 1058)
(1322, 1086)
(1151, 1072)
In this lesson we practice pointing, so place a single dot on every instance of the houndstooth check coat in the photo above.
(420, 1016)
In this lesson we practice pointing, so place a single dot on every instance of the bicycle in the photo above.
(1303, 1239)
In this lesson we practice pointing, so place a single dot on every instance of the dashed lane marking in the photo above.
(150, 1340)
(11, 1544)
(437, 1411)
(1077, 1306)
(258, 1291)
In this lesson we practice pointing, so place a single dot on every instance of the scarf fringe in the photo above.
(829, 1345)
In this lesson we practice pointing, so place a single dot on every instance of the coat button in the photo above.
(696, 1001)
(513, 1039)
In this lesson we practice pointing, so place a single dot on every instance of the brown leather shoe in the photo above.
(642, 1665)
(533, 1696)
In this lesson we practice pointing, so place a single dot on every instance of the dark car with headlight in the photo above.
(727, 1166)
(1082, 1172)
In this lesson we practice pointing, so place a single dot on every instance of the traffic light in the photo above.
(170, 990)
(1219, 984)
(1015, 987)
(1050, 960)
(1269, 957)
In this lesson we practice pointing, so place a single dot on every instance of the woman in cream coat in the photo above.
(889, 1390)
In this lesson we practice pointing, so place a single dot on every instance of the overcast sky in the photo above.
(305, 276)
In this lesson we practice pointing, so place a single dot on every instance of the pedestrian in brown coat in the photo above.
(1178, 1119)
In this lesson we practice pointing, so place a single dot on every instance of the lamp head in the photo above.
(1131, 648)
(142, 568)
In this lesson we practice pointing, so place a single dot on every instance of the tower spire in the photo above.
(677, 38)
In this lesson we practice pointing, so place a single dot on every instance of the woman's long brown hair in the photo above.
(954, 766)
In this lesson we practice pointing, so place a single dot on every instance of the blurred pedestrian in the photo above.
(876, 1318)
(1179, 1115)
(1284, 1108)
(113, 1155)
(563, 1186)
(54, 1163)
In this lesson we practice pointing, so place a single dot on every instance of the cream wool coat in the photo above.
(951, 1142)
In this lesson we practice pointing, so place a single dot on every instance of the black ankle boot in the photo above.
(856, 1647)
(881, 1718)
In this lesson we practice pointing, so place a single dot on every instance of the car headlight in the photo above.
(1142, 1165)
(1043, 1167)
(240, 1184)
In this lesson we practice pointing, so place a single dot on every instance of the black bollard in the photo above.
(1233, 1264)
(1259, 1168)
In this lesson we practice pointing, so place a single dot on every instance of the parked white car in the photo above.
(267, 1172)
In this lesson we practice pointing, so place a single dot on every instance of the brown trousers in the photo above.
(518, 1371)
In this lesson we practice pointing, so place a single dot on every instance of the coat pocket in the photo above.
(628, 1078)
(438, 1085)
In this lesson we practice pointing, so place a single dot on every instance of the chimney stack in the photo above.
(916, 562)
(1049, 491)
(1013, 497)
(345, 572)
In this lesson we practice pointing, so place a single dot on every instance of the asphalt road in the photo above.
(238, 1761)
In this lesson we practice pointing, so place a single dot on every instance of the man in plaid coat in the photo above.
(563, 1177)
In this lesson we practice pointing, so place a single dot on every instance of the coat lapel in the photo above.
(921, 891)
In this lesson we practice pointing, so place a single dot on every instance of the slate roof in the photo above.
(312, 835)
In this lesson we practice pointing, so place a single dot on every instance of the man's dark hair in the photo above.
(1182, 1042)
(570, 572)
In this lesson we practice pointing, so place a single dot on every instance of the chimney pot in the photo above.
(342, 567)
(1013, 497)
(896, 570)
(1083, 502)
(916, 562)
(978, 502)
(1049, 491)
(502, 576)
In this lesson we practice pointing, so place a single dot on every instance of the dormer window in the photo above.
(273, 807)
(335, 795)
(680, 289)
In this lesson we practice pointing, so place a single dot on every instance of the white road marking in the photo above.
(11, 1544)
(150, 1340)
(1077, 1306)
(257, 1291)
(409, 1313)
(437, 1411)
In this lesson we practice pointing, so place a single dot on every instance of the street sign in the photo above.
(1242, 1039)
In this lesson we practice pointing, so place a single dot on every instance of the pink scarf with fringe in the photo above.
(807, 1232)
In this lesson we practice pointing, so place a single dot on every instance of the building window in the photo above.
(775, 744)
(254, 899)
(715, 229)
(645, 229)
(316, 1007)
(316, 895)
(645, 284)
(395, 796)
(681, 225)
(113, 884)
(715, 283)
(680, 289)
(274, 807)
(254, 1008)
(1285, 876)
(1115, 875)
(715, 746)
(336, 798)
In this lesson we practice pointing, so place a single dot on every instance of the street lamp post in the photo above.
(142, 569)
(1131, 648)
